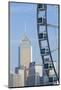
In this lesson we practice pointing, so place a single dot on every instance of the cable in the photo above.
(54, 50)
(55, 26)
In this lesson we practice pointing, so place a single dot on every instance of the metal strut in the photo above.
(43, 38)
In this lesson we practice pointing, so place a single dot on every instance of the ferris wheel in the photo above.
(45, 51)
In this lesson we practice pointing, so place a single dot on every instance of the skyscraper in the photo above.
(25, 51)
(35, 74)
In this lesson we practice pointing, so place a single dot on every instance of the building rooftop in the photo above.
(25, 39)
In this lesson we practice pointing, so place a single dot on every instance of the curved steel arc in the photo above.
(47, 42)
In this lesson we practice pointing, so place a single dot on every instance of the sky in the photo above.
(22, 14)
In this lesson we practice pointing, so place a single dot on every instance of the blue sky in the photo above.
(21, 14)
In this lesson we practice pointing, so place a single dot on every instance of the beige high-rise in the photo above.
(25, 51)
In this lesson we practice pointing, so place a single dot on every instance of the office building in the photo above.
(11, 80)
(25, 51)
(35, 74)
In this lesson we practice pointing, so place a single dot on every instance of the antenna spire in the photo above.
(25, 28)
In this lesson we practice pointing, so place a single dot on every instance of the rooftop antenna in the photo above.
(25, 28)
